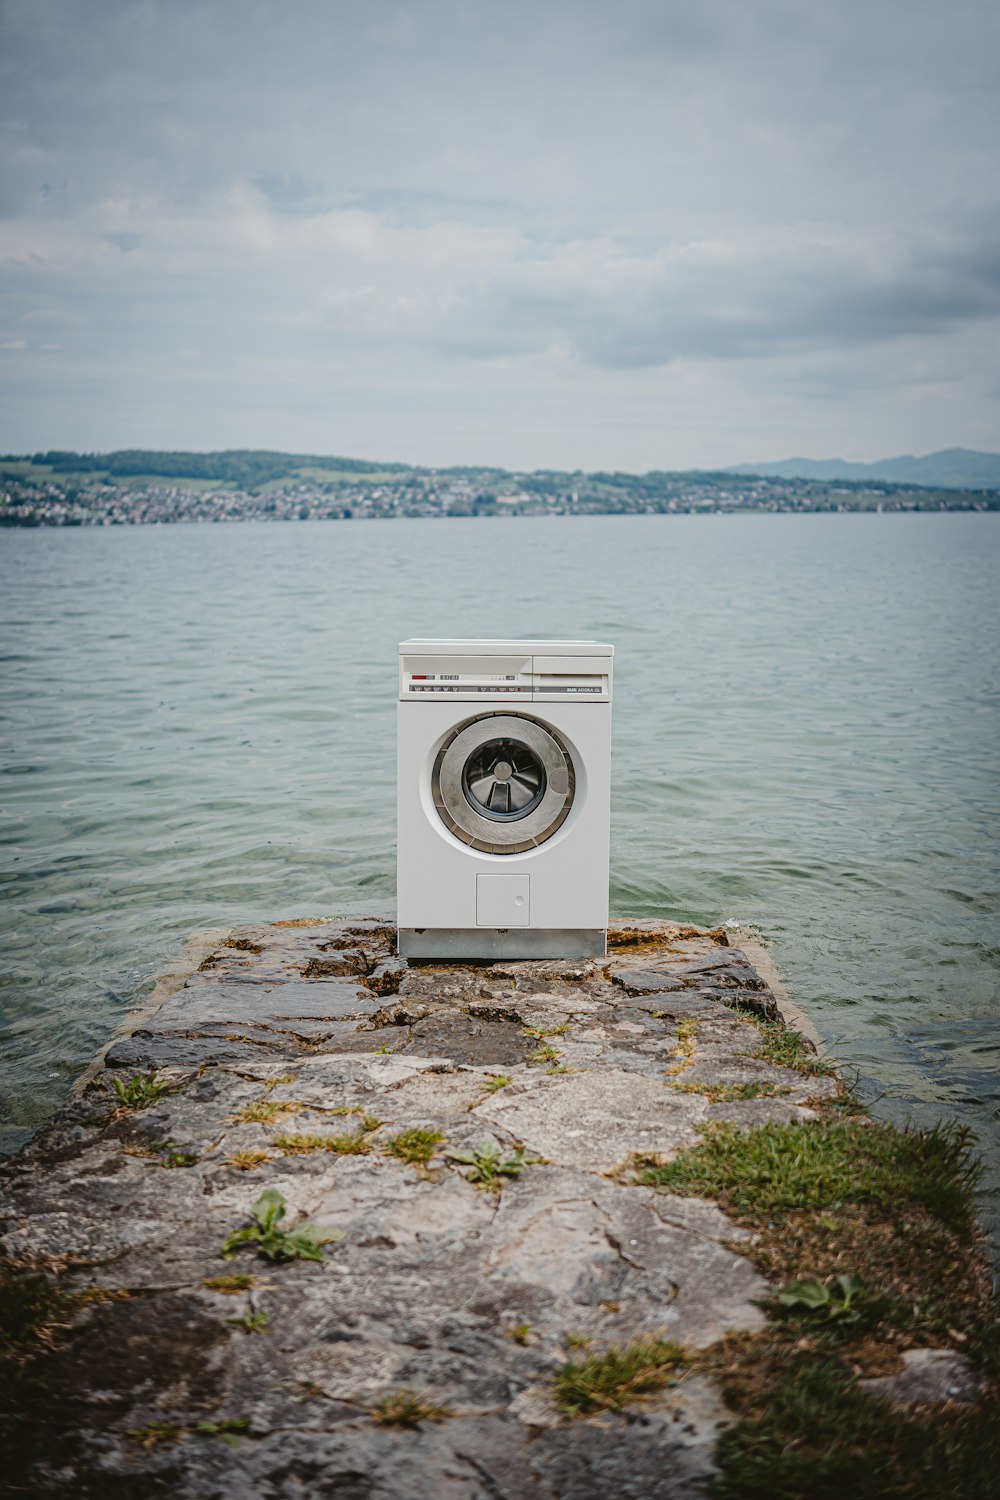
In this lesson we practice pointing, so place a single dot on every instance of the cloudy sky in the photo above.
(567, 233)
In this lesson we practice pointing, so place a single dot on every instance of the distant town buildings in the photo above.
(31, 497)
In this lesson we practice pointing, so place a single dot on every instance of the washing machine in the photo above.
(503, 798)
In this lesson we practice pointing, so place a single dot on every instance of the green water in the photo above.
(199, 730)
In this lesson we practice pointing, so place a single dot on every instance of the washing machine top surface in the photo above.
(462, 647)
(505, 671)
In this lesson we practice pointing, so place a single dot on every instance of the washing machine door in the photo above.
(503, 783)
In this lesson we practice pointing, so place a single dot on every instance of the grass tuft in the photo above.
(809, 1433)
(404, 1409)
(31, 1308)
(246, 1161)
(731, 1093)
(415, 1146)
(779, 1168)
(229, 1285)
(265, 1111)
(543, 1056)
(788, 1048)
(869, 1233)
(685, 1048)
(154, 1433)
(609, 1381)
(520, 1333)
(339, 1145)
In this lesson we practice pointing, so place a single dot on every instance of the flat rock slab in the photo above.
(293, 1060)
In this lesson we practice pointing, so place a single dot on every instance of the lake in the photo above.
(199, 730)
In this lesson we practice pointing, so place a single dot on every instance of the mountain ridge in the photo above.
(952, 468)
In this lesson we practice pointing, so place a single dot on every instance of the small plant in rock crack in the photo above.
(355, 1144)
(163, 1153)
(155, 1432)
(415, 1146)
(274, 1243)
(251, 1322)
(610, 1381)
(404, 1409)
(847, 1300)
(495, 1082)
(228, 1429)
(544, 1055)
(264, 1111)
(229, 1285)
(519, 1334)
(490, 1166)
(141, 1091)
(541, 1032)
(246, 1161)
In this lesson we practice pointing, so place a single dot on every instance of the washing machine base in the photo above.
(493, 943)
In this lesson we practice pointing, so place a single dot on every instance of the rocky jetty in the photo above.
(436, 1171)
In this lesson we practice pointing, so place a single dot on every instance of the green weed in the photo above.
(844, 1300)
(272, 1242)
(541, 1032)
(141, 1091)
(489, 1165)
(497, 1081)
(250, 1322)
(228, 1430)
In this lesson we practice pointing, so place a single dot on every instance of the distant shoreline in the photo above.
(174, 506)
(256, 520)
(152, 488)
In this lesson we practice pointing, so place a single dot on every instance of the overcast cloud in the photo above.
(634, 234)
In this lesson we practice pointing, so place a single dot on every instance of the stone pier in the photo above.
(373, 1096)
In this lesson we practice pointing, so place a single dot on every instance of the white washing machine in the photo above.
(503, 798)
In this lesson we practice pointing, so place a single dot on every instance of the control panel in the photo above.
(434, 675)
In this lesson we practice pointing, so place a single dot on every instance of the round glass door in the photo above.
(503, 783)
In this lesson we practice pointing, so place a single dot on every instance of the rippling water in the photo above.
(199, 730)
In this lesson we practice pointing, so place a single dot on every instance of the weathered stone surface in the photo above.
(596, 1120)
(318, 1030)
(231, 1004)
(928, 1375)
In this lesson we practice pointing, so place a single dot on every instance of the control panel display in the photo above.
(531, 678)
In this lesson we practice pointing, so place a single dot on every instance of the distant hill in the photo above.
(258, 469)
(240, 466)
(952, 469)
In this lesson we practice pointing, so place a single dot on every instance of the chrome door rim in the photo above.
(504, 830)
